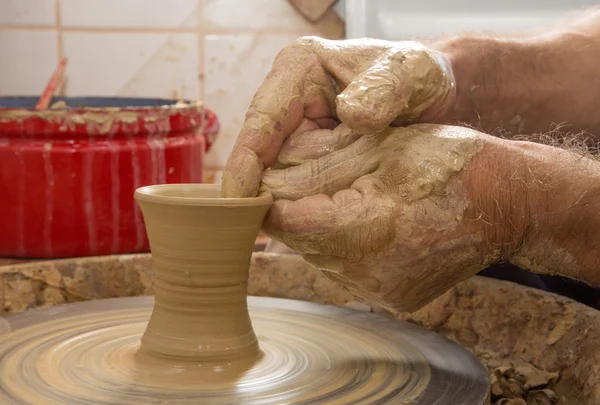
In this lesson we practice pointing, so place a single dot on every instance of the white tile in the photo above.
(131, 64)
(252, 14)
(27, 12)
(28, 60)
(234, 67)
(129, 13)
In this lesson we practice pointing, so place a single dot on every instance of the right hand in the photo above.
(400, 216)
(316, 83)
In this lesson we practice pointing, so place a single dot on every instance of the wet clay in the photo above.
(367, 84)
(201, 247)
(196, 342)
(367, 214)
(101, 121)
(84, 354)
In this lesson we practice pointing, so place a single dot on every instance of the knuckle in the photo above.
(302, 51)
(303, 43)
(307, 42)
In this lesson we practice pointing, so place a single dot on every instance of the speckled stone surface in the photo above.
(500, 322)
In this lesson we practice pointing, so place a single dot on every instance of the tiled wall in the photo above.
(214, 50)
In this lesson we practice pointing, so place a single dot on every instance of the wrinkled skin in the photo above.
(400, 215)
(393, 216)
(315, 84)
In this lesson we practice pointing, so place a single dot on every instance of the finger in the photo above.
(327, 174)
(303, 146)
(375, 97)
(257, 146)
(399, 87)
(326, 123)
(350, 224)
(311, 225)
(358, 283)
(297, 86)
(274, 246)
(306, 125)
(344, 59)
(329, 264)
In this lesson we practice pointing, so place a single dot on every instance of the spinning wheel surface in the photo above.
(86, 353)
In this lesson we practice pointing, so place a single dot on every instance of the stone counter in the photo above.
(502, 323)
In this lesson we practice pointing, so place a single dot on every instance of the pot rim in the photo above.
(174, 194)
(111, 117)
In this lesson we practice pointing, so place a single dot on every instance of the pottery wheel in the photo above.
(85, 353)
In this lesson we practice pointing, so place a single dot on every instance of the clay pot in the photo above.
(201, 248)
(67, 176)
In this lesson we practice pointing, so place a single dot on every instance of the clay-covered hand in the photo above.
(396, 217)
(315, 83)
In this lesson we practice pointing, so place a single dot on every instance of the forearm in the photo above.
(561, 190)
(524, 85)
(540, 206)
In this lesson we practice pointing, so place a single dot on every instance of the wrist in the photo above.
(533, 205)
(539, 207)
(562, 194)
(499, 209)
(522, 85)
(489, 85)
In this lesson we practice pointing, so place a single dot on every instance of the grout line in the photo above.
(141, 30)
(58, 28)
(28, 27)
(155, 30)
(201, 73)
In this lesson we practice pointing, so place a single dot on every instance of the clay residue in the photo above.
(376, 206)
(406, 84)
(59, 105)
(366, 84)
(524, 384)
(101, 121)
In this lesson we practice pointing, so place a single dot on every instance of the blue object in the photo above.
(82, 102)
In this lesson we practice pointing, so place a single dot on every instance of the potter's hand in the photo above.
(396, 217)
(315, 83)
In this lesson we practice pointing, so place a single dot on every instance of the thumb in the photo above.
(400, 86)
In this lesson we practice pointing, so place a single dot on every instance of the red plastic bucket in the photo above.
(67, 176)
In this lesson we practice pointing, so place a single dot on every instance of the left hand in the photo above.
(316, 83)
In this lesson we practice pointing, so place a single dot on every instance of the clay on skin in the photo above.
(200, 339)
(384, 198)
(367, 84)
(403, 84)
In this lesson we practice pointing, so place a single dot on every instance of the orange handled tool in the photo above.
(53, 83)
